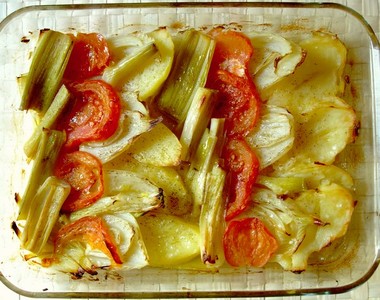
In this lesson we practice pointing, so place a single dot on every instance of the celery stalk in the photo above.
(211, 220)
(192, 61)
(46, 71)
(47, 121)
(207, 151)
(197, 120)
(44, 213)
(49, 146)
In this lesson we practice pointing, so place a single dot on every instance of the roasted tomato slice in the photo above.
(90, 230)
(233, 51)
(89, 57)
(242, 166)
(83, 171)
(238, 103)
(229, 74)
(247, 242)
(94, 114)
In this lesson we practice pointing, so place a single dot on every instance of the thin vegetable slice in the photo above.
(94, 113)
(124, 191)
(191, 64)
(44, 213)
(84, 173)
(211, 219)
(204, 157)
(46, 71)
(48, 150)
(148, 82)
(47, 121)
(197, 119)
(125, 231)
(247, 242)
(116, 75)
(131, 125)
(158, 146)
(176, 197)
(170, 240)
(89, 57)
(84, 245)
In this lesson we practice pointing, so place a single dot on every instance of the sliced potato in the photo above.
(319, 75)
(169, 240)
(333, 207)
(158, 147)
(148, 82)
(314, 175)
(319, 139)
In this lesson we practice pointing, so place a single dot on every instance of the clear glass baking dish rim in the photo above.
(205, 4)
(375, 63)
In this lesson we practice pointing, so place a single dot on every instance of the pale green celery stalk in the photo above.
(47, 121)
(117, 74)
(48, 65)
(197, 119)
(211, 220)
(207, 150)
(44, 213)
(49, 147)
(193, 55)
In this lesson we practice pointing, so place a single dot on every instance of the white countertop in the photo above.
(369, 8)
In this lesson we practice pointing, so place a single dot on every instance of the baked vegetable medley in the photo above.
(194, 149)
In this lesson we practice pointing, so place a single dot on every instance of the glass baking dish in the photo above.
(357, 255)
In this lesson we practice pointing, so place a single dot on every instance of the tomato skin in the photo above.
(239, 103)
(247, 242)
(243, 168)
(94, 114)
(91, 230)
(83, 171)
(233, 51)
(239, 100)
(89, 57)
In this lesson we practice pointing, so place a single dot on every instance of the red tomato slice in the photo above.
(242, 166)
(94, 115)
(83, 171)
(232, 53)
(238, 97)
(247, 242)
(89, 57)
(91, 230)
(239, 103)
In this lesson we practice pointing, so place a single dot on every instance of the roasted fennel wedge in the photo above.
(125, 191)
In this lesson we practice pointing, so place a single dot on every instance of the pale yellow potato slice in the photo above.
(320, 75)
(158, 147)
(321, 136)
(148, 82)
(169, 240)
